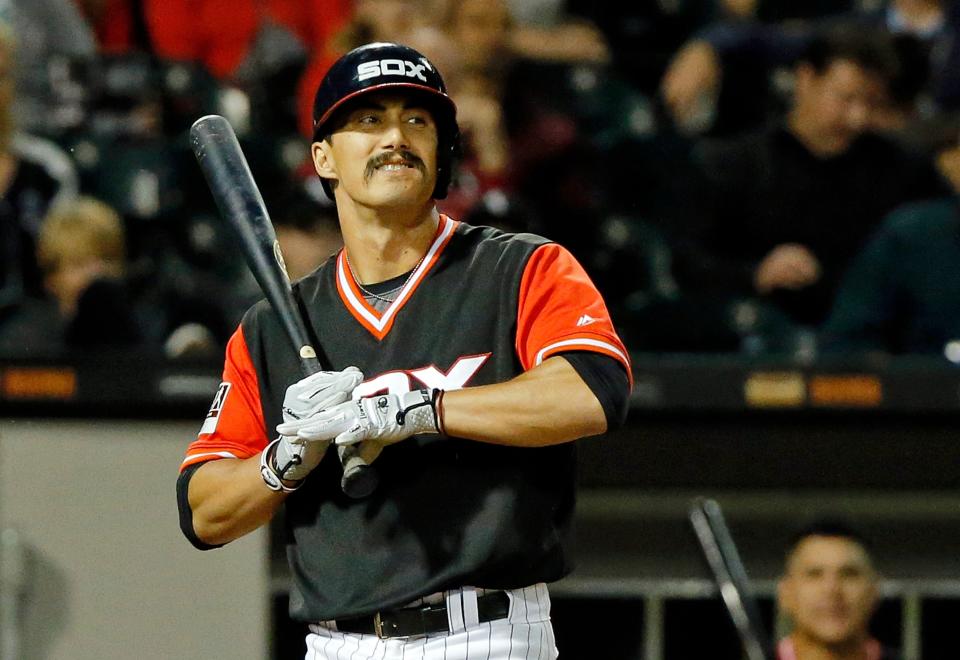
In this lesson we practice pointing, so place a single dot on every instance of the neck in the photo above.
(806, 648)
(380, 247)
(811, 139)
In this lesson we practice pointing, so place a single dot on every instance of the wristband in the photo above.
(270, 474)
(438, 410)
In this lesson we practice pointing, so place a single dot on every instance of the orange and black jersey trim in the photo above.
(554, 309)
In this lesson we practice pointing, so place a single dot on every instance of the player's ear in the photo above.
(323, 161)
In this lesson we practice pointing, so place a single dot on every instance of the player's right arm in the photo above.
(228, 499)
(233, 478)
(220, 493)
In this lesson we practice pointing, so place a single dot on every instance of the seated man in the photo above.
(701, 71)
(900, 294)
(788, 207)
(81, 252)
(829, 591)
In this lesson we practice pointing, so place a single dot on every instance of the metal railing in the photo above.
(655, 592)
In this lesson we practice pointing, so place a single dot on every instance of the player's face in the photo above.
(841, 102)
(829, 590)
(383, 152)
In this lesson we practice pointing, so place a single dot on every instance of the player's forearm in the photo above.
(547, 405)
(229, 499)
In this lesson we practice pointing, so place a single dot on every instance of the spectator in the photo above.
(544, 31)
(829, 590)
(925, 29)
(370, 20)
(900, 294)
(93, 301)
(788, 207)
(34, 173)
(308, 232)
(526, 162)
(82, 254)
(52, 37)
(472, 45)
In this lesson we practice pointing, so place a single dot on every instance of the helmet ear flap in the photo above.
(327, 188)
(449, 152)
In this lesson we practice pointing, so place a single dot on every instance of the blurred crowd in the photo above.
(760, 177)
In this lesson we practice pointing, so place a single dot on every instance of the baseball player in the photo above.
(463, 359)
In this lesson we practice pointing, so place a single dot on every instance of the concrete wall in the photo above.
(109, 574)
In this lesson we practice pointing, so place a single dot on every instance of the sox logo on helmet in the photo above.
(392, 67)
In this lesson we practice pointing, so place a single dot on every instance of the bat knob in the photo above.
(359, 481)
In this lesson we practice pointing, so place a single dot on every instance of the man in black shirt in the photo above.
(788, 207)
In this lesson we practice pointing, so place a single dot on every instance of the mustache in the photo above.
(388, 156)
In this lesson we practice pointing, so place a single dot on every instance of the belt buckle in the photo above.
(378, 625)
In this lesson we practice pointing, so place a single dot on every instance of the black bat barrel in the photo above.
(228, 175)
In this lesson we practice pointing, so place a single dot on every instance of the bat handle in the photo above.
(359, 477)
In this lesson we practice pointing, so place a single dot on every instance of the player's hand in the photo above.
(385, 419)
(295, 456)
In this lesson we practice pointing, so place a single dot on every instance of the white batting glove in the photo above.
(292, 457)
(385, 418)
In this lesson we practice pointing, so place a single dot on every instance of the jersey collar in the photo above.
(377, 323)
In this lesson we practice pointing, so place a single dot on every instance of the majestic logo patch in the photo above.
(586, 319)
(404, 68)
(213, 416)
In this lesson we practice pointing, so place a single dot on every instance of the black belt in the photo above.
(423, 619)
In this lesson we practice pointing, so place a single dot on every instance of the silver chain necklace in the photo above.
(392, 293)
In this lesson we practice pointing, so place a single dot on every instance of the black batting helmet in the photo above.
(378, 66)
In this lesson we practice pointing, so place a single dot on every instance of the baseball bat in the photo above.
(730, 576)
(228, 175)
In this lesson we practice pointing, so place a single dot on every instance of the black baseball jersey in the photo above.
(481, 308)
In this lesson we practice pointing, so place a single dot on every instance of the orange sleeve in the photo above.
(561, 310)
(234, 426)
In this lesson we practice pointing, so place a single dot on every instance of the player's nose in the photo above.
(394, 137)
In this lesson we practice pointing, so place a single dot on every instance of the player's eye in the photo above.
(418, 119)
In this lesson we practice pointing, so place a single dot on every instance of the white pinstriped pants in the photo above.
(526, 634)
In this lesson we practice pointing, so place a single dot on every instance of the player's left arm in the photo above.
(547, 405)
(575, 382)
(576, 379)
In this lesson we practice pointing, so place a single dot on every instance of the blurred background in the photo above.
(765, 191)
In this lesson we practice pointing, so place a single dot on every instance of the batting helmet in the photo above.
(379, 66)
